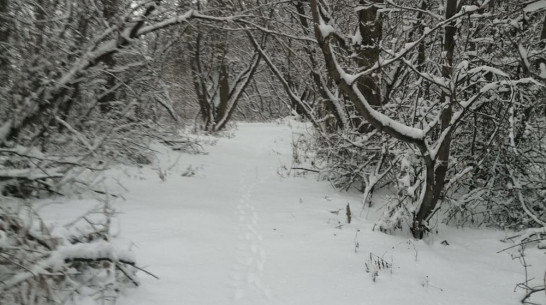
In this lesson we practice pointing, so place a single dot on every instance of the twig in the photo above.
(104, 193)
(306, 169)
(120, 268)
(132, 264)
(520, 244)
(145, 271)
(17, 264)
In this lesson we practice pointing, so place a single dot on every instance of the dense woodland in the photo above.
(441, 102)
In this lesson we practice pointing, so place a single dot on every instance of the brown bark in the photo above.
(4, 40)
(198, 83)
(420, 30)
(436, 166)
(224, 91)
(371, 30)
(109, 11)
(238, 87)
(329, 104)
(216, 108)
(437, 170)
(348, 90)
(83, 26)
(543, 33)
(47, 98)
(291, 95)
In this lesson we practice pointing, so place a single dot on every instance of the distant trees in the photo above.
(221, 67)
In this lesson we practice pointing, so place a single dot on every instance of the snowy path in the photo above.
(238, 232)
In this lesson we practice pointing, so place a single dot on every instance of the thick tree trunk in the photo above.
(370, 31)
(370, 27)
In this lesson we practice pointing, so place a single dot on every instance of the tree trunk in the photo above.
(223, 87)
(83, 26)
(332, 107)
(198, 83)
(422, 45)
(239, 85)
(543, 33)
(437, 169)
(435, 166)
(370, 27)
(4, 40)
(109, 11)
(361, 104)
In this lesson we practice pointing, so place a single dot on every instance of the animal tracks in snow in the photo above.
(251, 255)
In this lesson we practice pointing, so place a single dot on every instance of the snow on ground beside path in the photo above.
(229, 228)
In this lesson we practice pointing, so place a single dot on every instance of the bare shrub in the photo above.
(39, 265)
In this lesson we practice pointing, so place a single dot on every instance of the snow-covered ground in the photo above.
(231, 227)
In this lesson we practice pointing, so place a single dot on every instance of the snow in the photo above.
(326, 29)
(348, 78)
(356, 39)
(535, 6)
(487, 69)
(524, 55)
(239, 230)
(167, 22)
(4, 130)
(495, 85)
(31, 173)
(408, 131)
(469, 8)
(96, 250)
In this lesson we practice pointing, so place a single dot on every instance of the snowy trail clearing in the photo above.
(233, 230)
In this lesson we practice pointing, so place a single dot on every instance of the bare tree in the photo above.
(433, 140)
(222, 68)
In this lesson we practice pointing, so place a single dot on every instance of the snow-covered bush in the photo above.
(60, 265)
(462, 108)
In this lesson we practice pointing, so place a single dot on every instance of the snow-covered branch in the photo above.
(50, 95)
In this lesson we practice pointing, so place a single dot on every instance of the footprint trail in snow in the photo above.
(251, 255)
